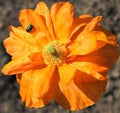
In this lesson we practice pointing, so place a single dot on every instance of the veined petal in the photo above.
(25, 84)
(20, 34)
(106, 53)
(30, 41)
(38, 91)
(19, 65)
(101, 39)
(85, 18)
(66, 73)
(92, 58)
(45, 96)
(43, 79)
(91, 25)
(78, 25)
(15, 47)
(62, 16)
(41, 39)
(91, 69)
(84, 44)
(77, 96)
(30, 17)
(26, 91)
(86, 66)
(85, 78)
(36, 57)
(110, 38)
(43, 10)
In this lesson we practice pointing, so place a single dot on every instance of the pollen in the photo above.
(54, 53)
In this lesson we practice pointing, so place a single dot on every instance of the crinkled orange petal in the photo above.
(91, 69)
(78, 25)
(25, 83)
(77, 96)
(62, 16)
(23, 36)
(38, 92)
(111, 38)
(101, 39)
(30, 17)
(106, 42)
(85, 78)
(15, 47)
(91, 25)
(94, 59)
(36, 57)
(41, 39)
(43, 10)
(42, 81)
(84, 44)
(48, 96)
(30, 41)
(26, 91)
(66, 73)
(105, 52)
(20, 65)
(85, 18)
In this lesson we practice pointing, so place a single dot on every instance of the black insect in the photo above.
(29, 28)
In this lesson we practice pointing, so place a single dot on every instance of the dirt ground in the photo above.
(10, 101)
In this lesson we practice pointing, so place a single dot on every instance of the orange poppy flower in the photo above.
(58, 56)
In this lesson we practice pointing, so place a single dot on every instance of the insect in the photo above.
(29, 28)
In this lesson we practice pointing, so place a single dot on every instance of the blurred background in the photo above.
(10, 101)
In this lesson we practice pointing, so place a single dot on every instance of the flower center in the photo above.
(54, 53)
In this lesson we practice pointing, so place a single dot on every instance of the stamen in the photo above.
(51, 49)
(54, 53)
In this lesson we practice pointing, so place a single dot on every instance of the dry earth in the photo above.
(9, 97)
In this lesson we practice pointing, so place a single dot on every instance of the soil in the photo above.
(10, 101)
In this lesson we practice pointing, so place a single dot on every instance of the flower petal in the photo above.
(27, 41)
(42, 79)
(91, 69)
(38, 92)
(84, 44)
(28, 16)
(77, 96)
(66, 73)
(15, 47)
(85, 78)
(24, 88)
(20, 34)
(36, 57)
(94, 23)
(85, 18)
(43, 10)
(78, 25)
(101, 39)
(110, 38)
(62, 17)
(106, 53)
(41, 39)
(20, 65)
